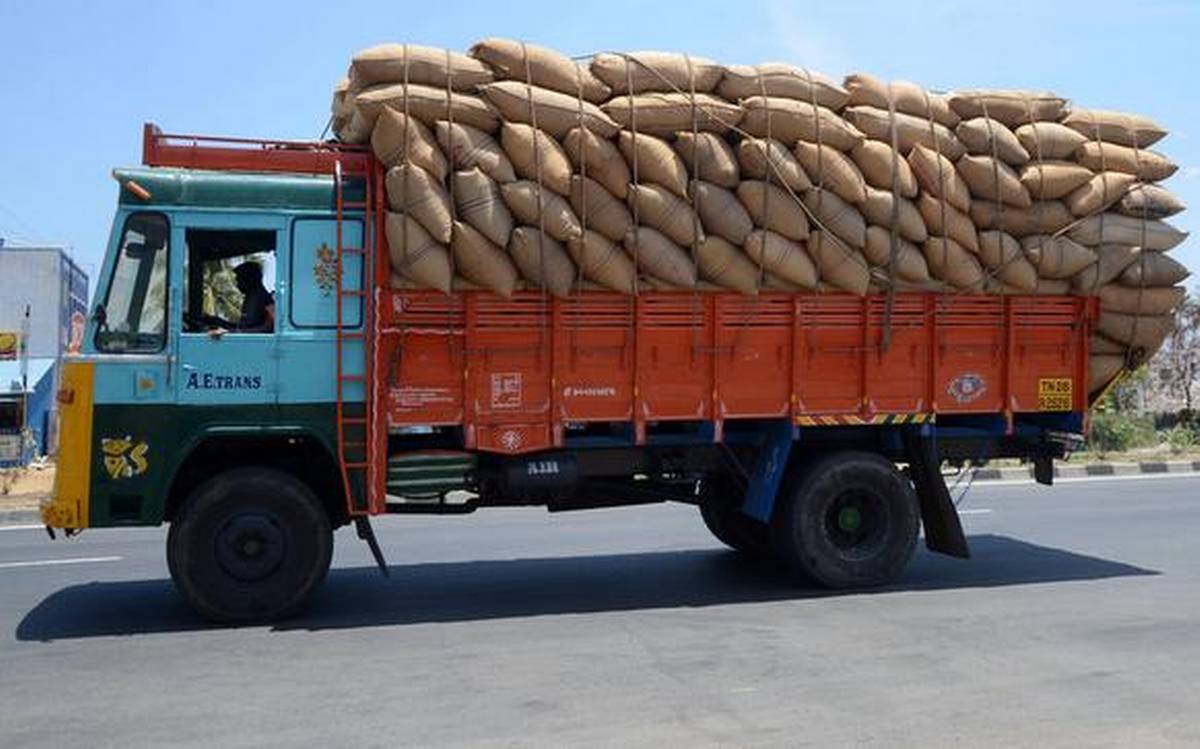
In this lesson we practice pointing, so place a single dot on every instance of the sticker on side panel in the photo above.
(123, 458)
(1054, 393)
(967, 388)
(506, 390)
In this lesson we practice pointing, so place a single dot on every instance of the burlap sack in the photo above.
(1137, 332)
(830, 168)
(482, 262)
(541, 66)
(1001, 254)
(481, 205)
(906, 97)
(770, 160)
(1100, 192)
(541, 208)
(341, 108)
(666, 113)
(881, 209)
(782, 257)
(1150, 300)
(1056, 257)
(1011, 107)
(1149, 201)
(985, 136)
(1102, 345)
(721, 213)
(783, 80)
(635, 72)
(457, 283)
(392, 148)
(708, 157)
(415, 255)
(430, 66)
(602, 261)
(1150, 166)
(837, 216)
(1151, 268)
(789, 120)
(658, 256)
(660, 209)
(949, 262)
(910, 130)
(598, 159)
(1102, 369)
(991, 179)
(1052, 287)
(1050, 180)
(725, 265)
(427, 104)
(542, 260)
(652, 159)
(772, 208)
(468, 147)
(555, 112)
(909, 262)
(598, 209)
(1043, 217)
(535, 155)
(412, 190)
(838, 264)
(875, 159)
(1114, 227)
(1049, 140)
(937, 176)
(1115, 127)
(945, 220)
(1111, 261)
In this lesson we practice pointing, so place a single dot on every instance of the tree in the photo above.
(1175, 370)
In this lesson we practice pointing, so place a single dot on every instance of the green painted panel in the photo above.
(195, 187)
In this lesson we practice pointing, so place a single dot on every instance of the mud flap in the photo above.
(943, 529)
(768, 472)
(363, 527)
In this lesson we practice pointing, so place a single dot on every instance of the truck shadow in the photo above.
(506, 588)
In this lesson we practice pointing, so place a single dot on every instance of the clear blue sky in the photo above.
(79, 78)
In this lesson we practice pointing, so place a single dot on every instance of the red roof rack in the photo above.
(250, 154)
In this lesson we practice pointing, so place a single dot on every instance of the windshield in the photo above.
(134, 314)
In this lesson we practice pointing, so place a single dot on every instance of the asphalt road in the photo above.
(1077, 623)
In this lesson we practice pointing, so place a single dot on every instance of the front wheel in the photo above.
(250, 545)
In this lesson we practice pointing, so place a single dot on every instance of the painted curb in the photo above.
(19, 517)
(1084, 470)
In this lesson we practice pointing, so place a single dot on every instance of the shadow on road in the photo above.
(493, 589)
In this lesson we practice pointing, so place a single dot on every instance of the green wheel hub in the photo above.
(849, 519)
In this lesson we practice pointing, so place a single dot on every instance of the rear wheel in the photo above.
(721, 510)
(850, 520)
(250, 545)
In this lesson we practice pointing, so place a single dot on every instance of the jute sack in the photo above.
(457, 283)
(937, 176)
(1057, 257)
(653, 160)
(768, 159)
(721, 213)
(984, 136)
(431, 66)
(660, 209)
(419, 258)
(542, 260)
(1011, 107)
(949, 262)
(427, 104)
(1149, 201)
(598, 159)
(1137, 332)
(832, 169)
(539, 207)
(482, 262)
(540, 66)
(1050, 180)
(909, 262)
(1102, 368)
(1151, 300)
(880, 207)
(789, 120)
(708, 157)
(772, 282)
(666, 113)
(658, 256)
(341, 108)
(1115, 127)
(837, 216)
(1001, 255)
(656, 71)
(783, 80)
(1111, 261)
(945, 220)
(556, 113)
(772, 208)
(1101, 345)
(598, 209)
(1099, 193)
(908, 98)
(601, 261)
(535, 155)
(838, 264)
(875, 159)
(992, 179)
(1153, 269)
(781, 257)
(911, 131)
(1114, 227)
(412, 190)
(1043, 217)
(1147, 165)
(480, 204)
(469, 147)
(726, 265)
(420, 149)
(1049, 140)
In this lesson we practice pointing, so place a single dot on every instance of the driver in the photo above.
(258, 305)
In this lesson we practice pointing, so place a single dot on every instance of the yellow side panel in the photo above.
(68, 508)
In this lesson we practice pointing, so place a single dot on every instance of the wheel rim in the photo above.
(251, 546)
(856, 523)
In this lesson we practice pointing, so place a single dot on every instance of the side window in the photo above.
(229, 281)
(312, 285)
(134, 316)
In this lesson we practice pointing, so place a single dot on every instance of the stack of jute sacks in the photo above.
(514, 166)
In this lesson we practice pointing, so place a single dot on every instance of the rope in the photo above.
(450, 144)
(541, 208)
(894, 233)
(633, 148)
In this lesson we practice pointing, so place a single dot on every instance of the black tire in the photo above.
(848, 520)
(250, 545)
(720, 508)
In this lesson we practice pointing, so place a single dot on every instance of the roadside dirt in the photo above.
(24, 488)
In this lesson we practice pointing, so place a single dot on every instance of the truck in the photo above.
(810, 428)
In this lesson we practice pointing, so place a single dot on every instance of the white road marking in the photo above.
(976, 511)
(22, 527)
(54, 562)
(1084, 479)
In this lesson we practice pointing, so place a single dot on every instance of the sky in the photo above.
(79, 78)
